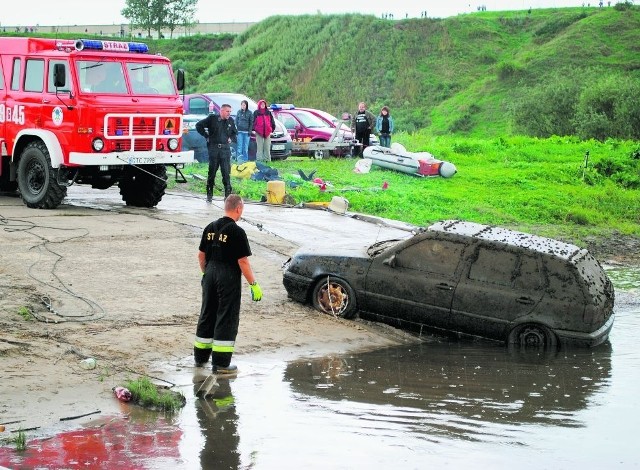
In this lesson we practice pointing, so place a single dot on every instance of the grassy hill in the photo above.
(481, 74)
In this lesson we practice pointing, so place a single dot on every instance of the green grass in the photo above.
(482, 74)
(517, 182)
(148, 395)
(25, 313)
(20, 441)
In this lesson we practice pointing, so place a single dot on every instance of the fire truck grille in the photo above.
(140, 132)
(140, 145)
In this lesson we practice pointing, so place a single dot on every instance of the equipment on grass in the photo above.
(397, 158)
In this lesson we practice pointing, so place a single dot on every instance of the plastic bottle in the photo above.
(88, 363)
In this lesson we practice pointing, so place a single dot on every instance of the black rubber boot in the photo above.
(201, 356)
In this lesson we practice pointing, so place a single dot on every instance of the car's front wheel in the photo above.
(335, 296)
(534, 336)
(37, 180)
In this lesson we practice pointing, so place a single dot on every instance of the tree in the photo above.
(159, 14)
(179, 13)
(143, 14)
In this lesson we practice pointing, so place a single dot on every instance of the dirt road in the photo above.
(96, 279)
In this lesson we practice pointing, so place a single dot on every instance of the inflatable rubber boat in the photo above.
(397, 158)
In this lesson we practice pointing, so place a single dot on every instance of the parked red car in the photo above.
(306, 126)
(334, 121)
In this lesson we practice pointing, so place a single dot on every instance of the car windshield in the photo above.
(154, 79)
(381, 246)
(328, 117)
(309, 120)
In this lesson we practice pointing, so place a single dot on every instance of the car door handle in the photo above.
(444, 286)
(45, 101)
(525, 300)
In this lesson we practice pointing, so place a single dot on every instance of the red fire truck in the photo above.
(87, 112)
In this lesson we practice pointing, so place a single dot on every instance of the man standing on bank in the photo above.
(224, 258)
(220, 131)
(362, 123)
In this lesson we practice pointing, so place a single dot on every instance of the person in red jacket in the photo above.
(263, 124)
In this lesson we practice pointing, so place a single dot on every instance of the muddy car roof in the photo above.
(509, 237)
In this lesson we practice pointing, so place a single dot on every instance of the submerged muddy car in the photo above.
(466, 278)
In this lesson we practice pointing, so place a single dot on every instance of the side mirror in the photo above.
(390, 261)
(59, 75)
(346, 116)
(180, 79)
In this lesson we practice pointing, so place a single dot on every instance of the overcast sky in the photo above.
(107, 12)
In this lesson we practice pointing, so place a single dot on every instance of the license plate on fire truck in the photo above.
(142, 160)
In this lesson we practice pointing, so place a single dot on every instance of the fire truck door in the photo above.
(56, 101)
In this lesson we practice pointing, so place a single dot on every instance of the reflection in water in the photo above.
(216, 415)
(461, 390)
(134, 442)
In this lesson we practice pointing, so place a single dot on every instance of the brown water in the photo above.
(451, 403)
(457, 404)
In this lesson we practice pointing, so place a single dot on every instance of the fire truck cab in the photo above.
(87, 112)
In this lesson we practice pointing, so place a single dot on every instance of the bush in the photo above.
(507, 70)
(609, 108)
(549, 108)
(623, 6)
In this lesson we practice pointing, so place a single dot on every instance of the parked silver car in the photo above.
(466, 278)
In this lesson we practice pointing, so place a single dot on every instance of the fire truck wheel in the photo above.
(37, 180)
(143, 187)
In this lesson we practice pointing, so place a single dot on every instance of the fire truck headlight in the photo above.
(172, 144)
(97, 144)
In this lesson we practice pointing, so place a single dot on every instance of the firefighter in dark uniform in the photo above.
(220, 131)
(224, 258)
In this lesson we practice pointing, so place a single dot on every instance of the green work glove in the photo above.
(256, 292)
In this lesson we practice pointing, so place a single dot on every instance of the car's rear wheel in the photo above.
(534, 336)
(144, 186)
(334, 296)
(320, 154)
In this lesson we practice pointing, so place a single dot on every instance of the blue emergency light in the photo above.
(282, 106)
(112, 46)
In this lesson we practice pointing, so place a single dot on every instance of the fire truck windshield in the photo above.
(109, 77)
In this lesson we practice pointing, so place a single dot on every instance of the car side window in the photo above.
(288, 121)
(51, 88)
(198, 106)
(494, 266)
(15, 74)
(34, 75)
(528, 275)
(435, 256)
(562, 281)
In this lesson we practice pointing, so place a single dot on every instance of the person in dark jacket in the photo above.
(244, 125)
(264, 124)
(220, 131)
(223, 256)
(384, 127)
(362, 124)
